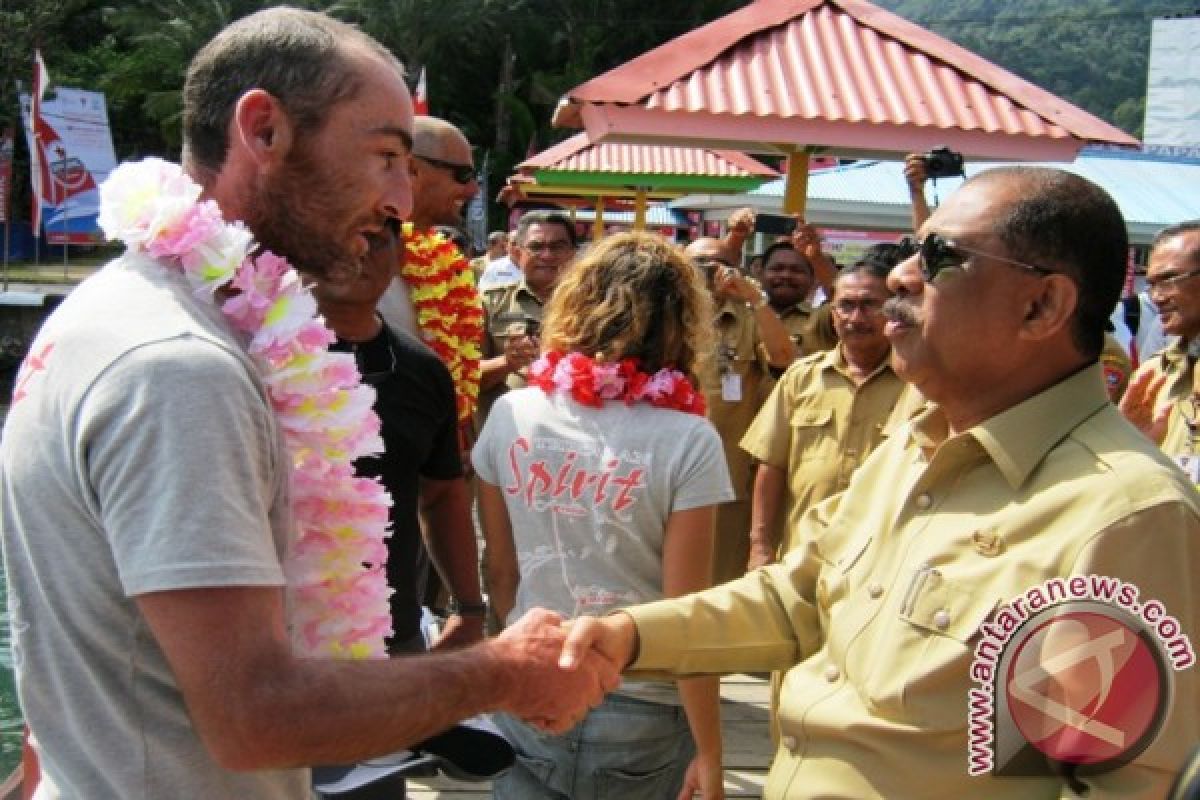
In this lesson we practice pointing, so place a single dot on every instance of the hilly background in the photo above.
(497, 67)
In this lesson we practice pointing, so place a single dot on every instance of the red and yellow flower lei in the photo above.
(448, 309)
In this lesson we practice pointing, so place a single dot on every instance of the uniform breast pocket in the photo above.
(813, 434)
(920, 659)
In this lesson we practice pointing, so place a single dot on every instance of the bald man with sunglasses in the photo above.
(443, 182)
(1021, 475)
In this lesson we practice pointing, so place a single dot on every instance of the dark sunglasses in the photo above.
(938, 253)
(462, 173)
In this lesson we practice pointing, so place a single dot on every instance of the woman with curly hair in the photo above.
(598, 484)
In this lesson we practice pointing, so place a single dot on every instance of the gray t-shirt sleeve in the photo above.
(486, 449)
(181, 458)
(703, 473)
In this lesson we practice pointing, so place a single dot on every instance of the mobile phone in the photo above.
(776, 224)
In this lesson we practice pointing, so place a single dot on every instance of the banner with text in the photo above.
(76, 157)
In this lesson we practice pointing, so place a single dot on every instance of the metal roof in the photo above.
(1152, 191)
(578, 154)
(839, 74)
(658, 215)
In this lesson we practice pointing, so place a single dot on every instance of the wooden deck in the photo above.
(744, 716)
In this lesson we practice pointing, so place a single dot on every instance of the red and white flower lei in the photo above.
(591, 383)
(337, 586)
(448, 309)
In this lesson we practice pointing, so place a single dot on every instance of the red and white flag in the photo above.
(37, 161)
(420, 98)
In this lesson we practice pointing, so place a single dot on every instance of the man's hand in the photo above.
(519, 352)
(730, 282)
(614, 637)
(545, 688)
(704, 778)
(741, 222)
(761, 554)
(807, 239)
(459, 631)
(1137, 404)
(914, 172)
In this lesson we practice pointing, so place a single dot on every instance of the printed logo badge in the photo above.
(1075, 678)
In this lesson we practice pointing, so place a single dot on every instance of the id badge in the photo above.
(1190, 463)
(731, 387)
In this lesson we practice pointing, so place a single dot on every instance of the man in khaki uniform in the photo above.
(824, 417)
(787, 278)
(545, 244)
(1020, 475)
(1162, 395)
(750, 340)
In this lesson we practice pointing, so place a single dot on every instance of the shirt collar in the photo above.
(523, 287)
(729, 306)
(802, 308)
(1018, 438)
(835, 359)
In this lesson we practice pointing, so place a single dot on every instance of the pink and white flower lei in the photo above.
(591, 382)
(337, 586)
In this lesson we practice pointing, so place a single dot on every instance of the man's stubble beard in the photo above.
(295, 214)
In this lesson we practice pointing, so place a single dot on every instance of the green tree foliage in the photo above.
(497, 68)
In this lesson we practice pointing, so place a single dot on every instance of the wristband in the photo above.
(467, 609)
(762, 302)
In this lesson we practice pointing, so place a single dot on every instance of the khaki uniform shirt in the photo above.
(811, 328)
(509, 310)
(818, 426)
(738, 369)
(880, 611)
(1173, 362)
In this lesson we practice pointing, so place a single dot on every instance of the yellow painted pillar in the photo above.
(795, 194)
(639, 210)
(598, 222)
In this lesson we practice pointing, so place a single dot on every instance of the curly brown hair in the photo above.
(633, 295)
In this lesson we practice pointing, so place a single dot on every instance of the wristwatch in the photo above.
(467, 609)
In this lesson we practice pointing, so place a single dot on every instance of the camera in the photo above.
(942, 162)
(532, 327)
(776, 224)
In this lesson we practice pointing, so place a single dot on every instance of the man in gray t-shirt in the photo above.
(144, 486)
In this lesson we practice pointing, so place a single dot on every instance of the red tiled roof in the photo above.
(798, 71)
(578, 154)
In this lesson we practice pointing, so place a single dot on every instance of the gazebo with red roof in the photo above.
(578, 168)
(794, 77)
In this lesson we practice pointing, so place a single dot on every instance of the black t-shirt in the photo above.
(415, 403)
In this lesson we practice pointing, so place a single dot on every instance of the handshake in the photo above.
(552, 673)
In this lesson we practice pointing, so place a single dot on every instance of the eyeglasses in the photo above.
(462, 173)
(938, 253)
(1164, 282)
(870, 308)
(548, 248)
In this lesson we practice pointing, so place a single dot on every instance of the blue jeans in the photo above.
(625, 749)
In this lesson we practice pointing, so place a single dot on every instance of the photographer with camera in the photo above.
(940, 162)
(545, 245)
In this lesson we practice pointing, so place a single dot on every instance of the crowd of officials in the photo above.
(682, 467)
